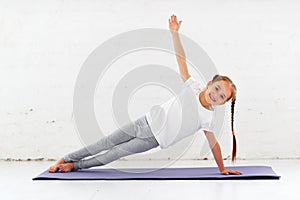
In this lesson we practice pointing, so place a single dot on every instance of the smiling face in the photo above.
(217, 93)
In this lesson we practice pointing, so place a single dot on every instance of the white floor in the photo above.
(16, 183)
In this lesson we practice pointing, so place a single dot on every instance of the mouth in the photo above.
(211, 98)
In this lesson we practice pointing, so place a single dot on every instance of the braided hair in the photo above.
(233, 99)
(232, 130)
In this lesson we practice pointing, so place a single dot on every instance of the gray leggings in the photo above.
(134, 137)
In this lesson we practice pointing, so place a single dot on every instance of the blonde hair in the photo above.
(233, 99)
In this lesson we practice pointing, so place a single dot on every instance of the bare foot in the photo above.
(66, 167)
(55, 168)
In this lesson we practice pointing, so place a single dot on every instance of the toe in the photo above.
(61, 167)
(52, 169)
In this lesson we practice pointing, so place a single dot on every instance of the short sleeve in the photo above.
(189, 81)
(192, 83)
(207, 126)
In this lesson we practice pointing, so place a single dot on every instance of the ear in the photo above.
(209, 83)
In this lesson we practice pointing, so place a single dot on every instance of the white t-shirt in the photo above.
(181, 116)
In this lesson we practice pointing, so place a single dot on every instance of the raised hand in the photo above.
(174, 25)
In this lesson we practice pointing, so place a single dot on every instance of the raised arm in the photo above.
(216, 150)
(174, 26)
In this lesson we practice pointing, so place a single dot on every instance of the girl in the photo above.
(140, 135)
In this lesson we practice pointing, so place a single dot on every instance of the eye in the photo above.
(222, 96)
(217, 89)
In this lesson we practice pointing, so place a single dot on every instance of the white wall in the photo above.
(44, 43)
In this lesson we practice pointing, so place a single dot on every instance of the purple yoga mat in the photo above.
(203, 173)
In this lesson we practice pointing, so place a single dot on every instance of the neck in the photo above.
(203, 102)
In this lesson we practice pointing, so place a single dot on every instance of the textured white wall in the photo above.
(44, 43)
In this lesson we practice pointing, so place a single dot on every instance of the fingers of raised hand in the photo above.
(173, 18)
